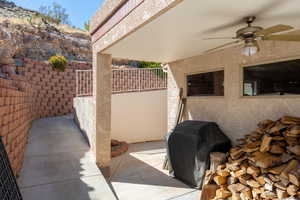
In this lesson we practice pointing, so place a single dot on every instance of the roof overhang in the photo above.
(179, 31)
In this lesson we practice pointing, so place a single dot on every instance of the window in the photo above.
(206, 84)
(281, 78)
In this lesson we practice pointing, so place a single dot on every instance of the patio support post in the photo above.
(102, 90)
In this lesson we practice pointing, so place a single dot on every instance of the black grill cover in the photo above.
(189, 146)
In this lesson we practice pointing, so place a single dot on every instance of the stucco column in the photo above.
(102, 94)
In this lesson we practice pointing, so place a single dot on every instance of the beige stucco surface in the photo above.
(85, 117)
(136, 116)
(235, 114)
(106, 9)
(141, 15)
(139, 116)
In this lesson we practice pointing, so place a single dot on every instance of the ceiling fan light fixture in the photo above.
(250, 48)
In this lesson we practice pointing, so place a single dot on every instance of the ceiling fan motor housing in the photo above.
(248, 32)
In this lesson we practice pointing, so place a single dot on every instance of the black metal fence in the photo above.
(9, 189)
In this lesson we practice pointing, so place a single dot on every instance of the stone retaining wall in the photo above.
(38, 92)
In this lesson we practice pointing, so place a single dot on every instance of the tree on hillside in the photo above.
(87, 25)
(56, 12)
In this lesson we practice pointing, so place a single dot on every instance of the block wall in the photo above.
(16, 114)
(54, 91)
(38, 92)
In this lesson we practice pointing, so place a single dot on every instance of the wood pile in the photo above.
(263, 165)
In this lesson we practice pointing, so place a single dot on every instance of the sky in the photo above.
(79, 11)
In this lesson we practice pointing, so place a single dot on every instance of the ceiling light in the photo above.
(250, 48)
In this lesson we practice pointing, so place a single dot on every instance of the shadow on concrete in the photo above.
(58, 164)
(140, 169)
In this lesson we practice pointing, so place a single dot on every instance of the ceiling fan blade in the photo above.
(269, 6)
(274, 29)
(282, 37)
(224, 26)
(222, 46)
(220, 38)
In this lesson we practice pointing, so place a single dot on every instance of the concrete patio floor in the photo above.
(138, 174)
(59, 166)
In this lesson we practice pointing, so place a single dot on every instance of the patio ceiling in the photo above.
(179, 33)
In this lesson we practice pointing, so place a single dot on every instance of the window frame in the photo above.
(203, 72)
(255, 63)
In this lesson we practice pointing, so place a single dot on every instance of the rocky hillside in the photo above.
(28, 34)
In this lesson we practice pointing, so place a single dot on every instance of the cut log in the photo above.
(261, 180)
(290, 120)
(277, 170)
(268, 187)
(239, 173)
(294, 149)
(254, 171)
(232, 180)
(236, 188)
(295, 130)
(265, 160)
(222, 193)
(292, 189)
(291, 166)
(208, 177)
(256, 192)
(265, 123)
(236, 196)
(220, 180)
(216, 159)
(209, 192)
(276, 149)
(265, 145)
(268, 195)
(278, 138)
(292, 141)
(253, 184)
(280, 186)
(294, 178)
(274, 178)
(281, 194)
(286, 157)
(244, 178)
(236, 153)
(246, 194)
(279, 127)
(223, 173)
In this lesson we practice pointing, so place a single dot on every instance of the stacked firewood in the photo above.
(263, 165)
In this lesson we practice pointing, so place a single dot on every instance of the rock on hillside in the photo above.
(26, 34)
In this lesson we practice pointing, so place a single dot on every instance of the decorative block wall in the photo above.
(54, 91)
(16, 114)
(38, 92)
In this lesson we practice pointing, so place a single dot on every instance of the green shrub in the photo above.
(58, 62)
(144, 64)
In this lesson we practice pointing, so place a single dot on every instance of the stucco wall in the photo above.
(236, 115)
(136, 116)
(85, 118)
(139, 116)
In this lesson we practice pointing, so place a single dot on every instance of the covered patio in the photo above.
(174, 33)
(177, 34)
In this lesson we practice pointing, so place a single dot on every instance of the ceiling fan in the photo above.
(249, 36)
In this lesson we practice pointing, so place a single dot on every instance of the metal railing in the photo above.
(84, 83)
(136, 80)
(124, 80)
